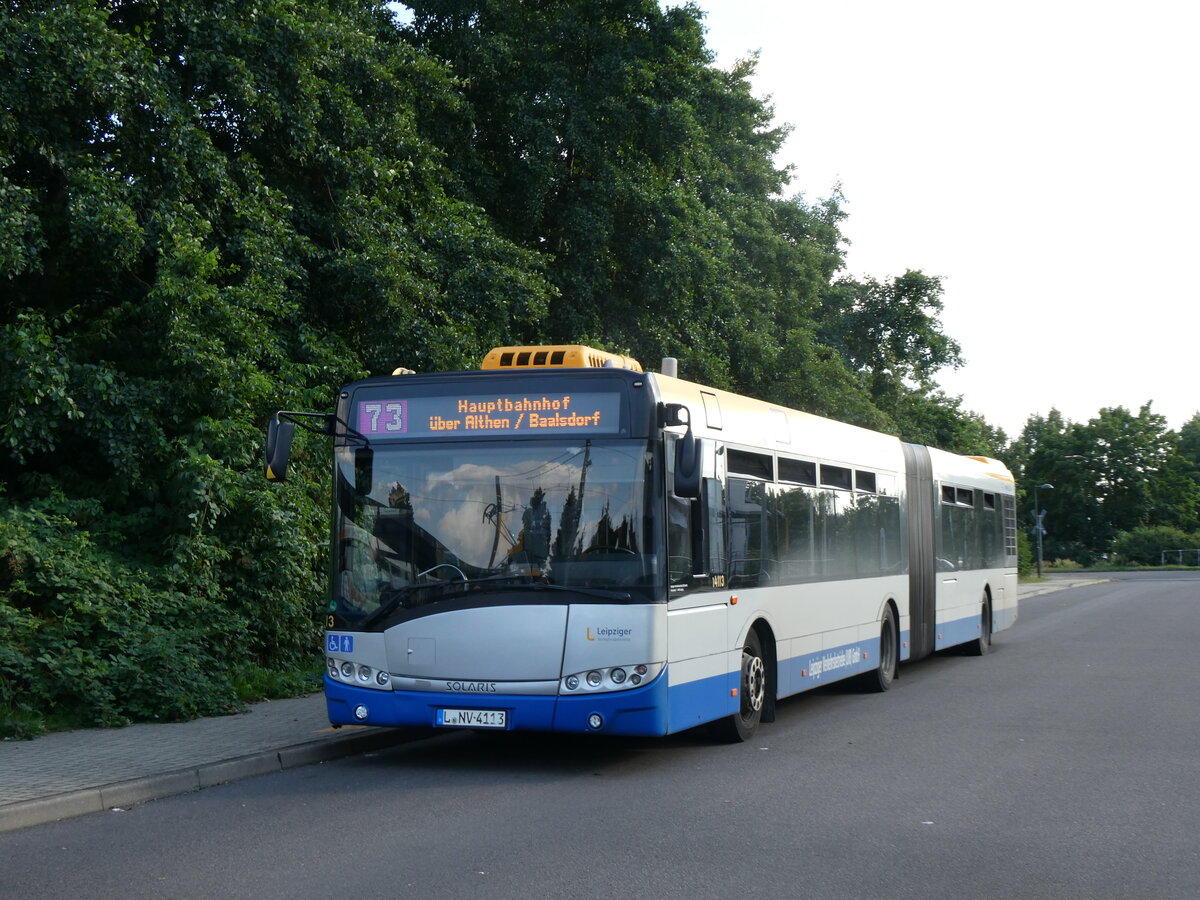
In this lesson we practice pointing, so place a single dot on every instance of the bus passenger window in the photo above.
(797, 527)
(747, 531)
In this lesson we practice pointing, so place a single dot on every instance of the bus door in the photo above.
(697, 607)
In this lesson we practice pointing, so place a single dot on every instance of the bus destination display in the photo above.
(524, 414)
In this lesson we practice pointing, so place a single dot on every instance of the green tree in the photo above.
(601, 135)
(1189, 442)
(208, 212)
(1176, 491)
(1107, 476)
(890, 332)
(1052, 452)
(1128, 454)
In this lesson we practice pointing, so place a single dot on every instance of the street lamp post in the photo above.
(1039, 516)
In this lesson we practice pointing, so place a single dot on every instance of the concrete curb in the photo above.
(44, 810)
(1047, 587)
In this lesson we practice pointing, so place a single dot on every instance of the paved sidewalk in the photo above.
(73, 773)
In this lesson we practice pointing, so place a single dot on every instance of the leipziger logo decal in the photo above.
(609, 634)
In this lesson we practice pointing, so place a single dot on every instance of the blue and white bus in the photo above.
(563, 542)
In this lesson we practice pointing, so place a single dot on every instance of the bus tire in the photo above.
(889, 655)
(752, 693)
(983, 643)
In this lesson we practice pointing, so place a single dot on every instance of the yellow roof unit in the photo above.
(995, 468)
(558, 356)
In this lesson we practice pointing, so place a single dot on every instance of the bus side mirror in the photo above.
(688, 457)
(278, 448)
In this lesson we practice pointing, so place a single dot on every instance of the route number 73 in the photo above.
(386, 416)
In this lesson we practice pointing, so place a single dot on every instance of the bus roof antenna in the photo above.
(670, 367)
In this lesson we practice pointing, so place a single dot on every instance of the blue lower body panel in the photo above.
(638, 711)
(960, 631)
(703, 700)
(813, 670)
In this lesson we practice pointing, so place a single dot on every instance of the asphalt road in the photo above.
(1064, 764)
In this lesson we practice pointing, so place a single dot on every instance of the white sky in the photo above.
(1042, 157)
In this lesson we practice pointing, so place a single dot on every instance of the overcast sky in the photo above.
(1040, 156)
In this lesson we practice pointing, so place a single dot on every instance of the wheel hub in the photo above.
(756, 679)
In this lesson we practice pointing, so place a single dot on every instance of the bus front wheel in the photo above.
(752, 693)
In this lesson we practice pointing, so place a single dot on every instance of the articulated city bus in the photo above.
(563, 542)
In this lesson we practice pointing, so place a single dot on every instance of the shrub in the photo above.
(88, 639)
(1145, 545)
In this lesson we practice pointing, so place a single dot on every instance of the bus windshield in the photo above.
(421, 523)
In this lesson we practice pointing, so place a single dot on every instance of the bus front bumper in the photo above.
(637, 711)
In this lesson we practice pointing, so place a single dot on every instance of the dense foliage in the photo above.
(208, 212)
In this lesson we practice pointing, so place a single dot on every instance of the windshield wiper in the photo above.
(399, 595)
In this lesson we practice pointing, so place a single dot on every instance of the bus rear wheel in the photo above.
(983, 643)
(889, 656)
(752, 693)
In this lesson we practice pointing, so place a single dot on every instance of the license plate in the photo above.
(473, 718)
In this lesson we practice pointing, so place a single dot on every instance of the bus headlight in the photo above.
(616, 678)
(365, 676)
